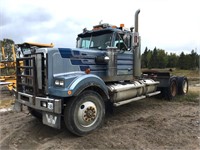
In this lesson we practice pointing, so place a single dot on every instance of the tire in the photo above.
(182, 85)
(84, 113)
(172, 90)
(35, 113)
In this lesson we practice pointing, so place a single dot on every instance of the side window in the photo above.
(121, 42)
(127, 40)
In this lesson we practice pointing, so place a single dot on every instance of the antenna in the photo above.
(100, 22)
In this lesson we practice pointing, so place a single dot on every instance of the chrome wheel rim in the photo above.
(185, 87)
(87, 114)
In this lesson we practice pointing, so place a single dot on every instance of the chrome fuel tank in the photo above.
(125, 91)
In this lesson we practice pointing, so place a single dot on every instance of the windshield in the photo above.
(95, 41)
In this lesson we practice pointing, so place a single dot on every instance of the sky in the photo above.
(172, 25)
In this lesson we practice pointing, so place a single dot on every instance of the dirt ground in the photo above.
(147, 124)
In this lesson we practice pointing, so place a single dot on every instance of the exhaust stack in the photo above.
(136, 20)
(136, 41)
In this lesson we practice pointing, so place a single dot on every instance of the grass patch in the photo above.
(190, 74)
(189, 97)
(187, 73)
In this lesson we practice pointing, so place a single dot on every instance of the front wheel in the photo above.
(84, 113)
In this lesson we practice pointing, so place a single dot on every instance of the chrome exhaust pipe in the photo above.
(136, 20)
(136, 42)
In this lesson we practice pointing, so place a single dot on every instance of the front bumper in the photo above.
(36, 103)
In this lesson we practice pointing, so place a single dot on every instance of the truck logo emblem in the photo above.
(51, 119)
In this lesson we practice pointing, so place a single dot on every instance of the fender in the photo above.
(75, 83)
(85, 81)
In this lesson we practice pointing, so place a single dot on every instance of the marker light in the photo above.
(87, 71)
(69, 92)
(122, 25)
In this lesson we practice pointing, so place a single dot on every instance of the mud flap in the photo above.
(17, 107)
(51, 119)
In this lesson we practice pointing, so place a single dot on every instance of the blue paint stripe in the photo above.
(76, 52)
(65, 52)
(76, 62)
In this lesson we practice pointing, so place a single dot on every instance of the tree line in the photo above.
(158, 58)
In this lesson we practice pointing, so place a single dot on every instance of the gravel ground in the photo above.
(147, 124)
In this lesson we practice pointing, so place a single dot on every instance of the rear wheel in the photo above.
(84, 113)
(182, 85)
(171, 91)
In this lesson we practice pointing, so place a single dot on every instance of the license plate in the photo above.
(51, 119)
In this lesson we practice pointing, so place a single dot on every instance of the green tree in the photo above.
(193, 60)
(144, 58)
(149, 55)
(154, 59)
(181, 61)
(162, 58)
(158, 58)
(172, 60)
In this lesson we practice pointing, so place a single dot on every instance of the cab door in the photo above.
(125, 54)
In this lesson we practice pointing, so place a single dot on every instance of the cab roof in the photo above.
(102, 29)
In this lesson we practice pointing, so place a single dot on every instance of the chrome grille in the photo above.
(31, 74)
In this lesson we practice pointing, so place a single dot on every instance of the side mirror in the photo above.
(77, 39)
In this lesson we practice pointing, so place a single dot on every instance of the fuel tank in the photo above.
(128, 90)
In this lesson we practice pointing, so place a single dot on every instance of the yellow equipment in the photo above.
(39, 45)
(9, 66)
(8, 78)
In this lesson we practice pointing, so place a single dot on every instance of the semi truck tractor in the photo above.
(78, 85)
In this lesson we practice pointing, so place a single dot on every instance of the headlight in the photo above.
(59, 82)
